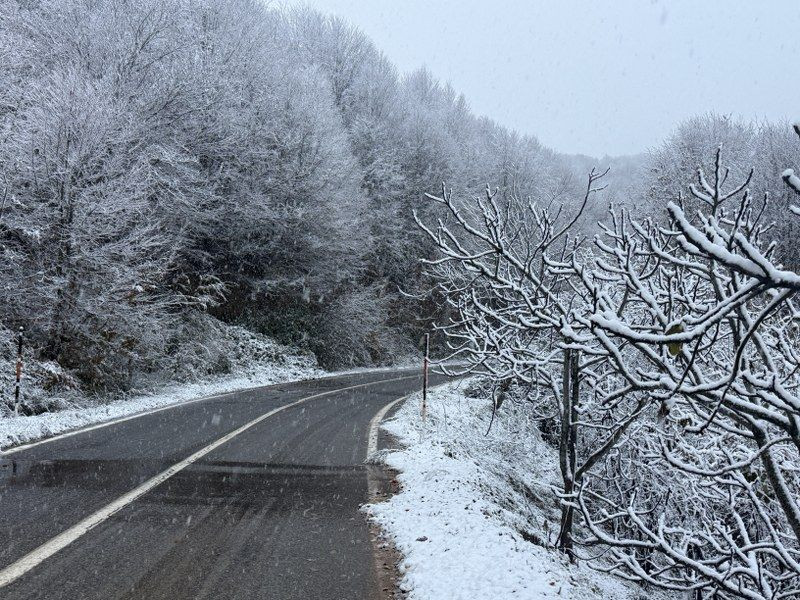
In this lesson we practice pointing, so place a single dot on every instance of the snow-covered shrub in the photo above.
(668, 353)
(45, 385)
(352, 331)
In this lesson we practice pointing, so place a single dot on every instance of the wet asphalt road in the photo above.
(272, 513)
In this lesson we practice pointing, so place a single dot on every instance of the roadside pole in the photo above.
(425, 362)
(19, 370)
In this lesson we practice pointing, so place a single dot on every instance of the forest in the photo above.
(172, 168)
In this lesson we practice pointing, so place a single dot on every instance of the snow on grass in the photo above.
(272, 364)
(466, 500)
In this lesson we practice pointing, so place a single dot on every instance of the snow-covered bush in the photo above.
(353, 331)
(711, 335)
(45, 385)
(668, 352)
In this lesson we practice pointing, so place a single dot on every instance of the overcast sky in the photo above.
(596, 76)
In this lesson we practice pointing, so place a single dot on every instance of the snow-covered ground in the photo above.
(467, 497)
(264, 363)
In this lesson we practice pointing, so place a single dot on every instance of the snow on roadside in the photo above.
(467, 497)
(22, 429)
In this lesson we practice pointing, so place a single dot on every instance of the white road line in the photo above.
(17, 569)
(375, 425)
(151, 411)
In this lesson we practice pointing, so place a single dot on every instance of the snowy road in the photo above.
(252, 494)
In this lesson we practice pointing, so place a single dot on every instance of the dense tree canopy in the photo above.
(167, 163)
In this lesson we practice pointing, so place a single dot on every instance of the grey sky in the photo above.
(596, 77)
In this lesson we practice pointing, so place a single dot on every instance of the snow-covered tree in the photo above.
(711, 335)
(666, 350)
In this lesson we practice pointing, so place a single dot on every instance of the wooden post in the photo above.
(425, 361)
(19, 371)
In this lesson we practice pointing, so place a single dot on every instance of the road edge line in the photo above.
(375, 422)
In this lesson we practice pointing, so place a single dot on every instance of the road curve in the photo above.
(253, 494)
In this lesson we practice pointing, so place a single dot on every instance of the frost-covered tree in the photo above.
(678, 420)
(513, 277)
(222, 160)
(764, 148)
(710, 334)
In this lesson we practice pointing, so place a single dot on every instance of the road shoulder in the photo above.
(475, 514)
(382, 485)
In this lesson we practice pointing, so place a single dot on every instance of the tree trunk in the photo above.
(64, 270)
(568, 445)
